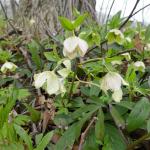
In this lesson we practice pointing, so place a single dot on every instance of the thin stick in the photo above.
(124, 23)
(109, 14)
(83, 135)
(140, 10)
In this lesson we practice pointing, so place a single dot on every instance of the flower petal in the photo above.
(70, 44)
(64, 72)
(52, 83)
(117, 95)
(67, 64)
(83, 47)
(40, 79)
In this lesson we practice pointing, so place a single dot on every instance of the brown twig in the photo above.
(109, 14)
(125, 51)
(83, 135)
(124, 23)
(140, 10)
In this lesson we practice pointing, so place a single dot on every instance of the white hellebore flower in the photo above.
(139, 66)
(113, 81)
(50, 82)
(8, 66)
(74, 47)
(126, 56)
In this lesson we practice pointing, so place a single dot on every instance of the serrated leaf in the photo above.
(115, 140)
(138, 115)
(44, 141)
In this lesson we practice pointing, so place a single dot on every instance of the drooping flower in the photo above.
(139, 66)
(8, 66)
(115, 35)
(74, 47)
(50, 82)
(126, 56)
(113, 81)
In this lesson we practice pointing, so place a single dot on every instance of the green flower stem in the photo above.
(73, 80)
(90, 60)
(85, 82)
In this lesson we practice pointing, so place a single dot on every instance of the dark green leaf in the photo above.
(138, 115)
(80, 20)
(117, 117)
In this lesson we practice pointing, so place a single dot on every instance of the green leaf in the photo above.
(94, 90)
(35, 115)
(38, 138)
(79, 20)
(127, 104)
(24, 136)
(45, 140)
(51, 56)
(115, 21)
(66, 23)
(23, 93)
(72, 133)
(21, 119)
(117, 117)
(138, 115)
(115, 140)
(90, 141)
(99, 126)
